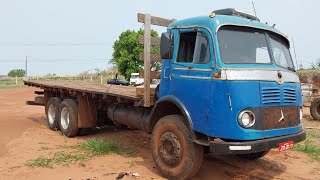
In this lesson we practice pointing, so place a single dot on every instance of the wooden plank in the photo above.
(140, 91)
(156, 20)
(153, 57)
(147, 59)
(155, 41)
(153, 74)
(126, 92)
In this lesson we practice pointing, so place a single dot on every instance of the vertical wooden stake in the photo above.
(91, 79)
(16, 80)
(101, 79)
(147, 59)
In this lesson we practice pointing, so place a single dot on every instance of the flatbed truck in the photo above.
(228, 86)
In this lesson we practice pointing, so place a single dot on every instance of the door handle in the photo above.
(165, 72)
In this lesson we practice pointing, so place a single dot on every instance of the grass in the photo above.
(40, 162)
(99, 146)
(63, 158)
(45, 148)
(83, 151)
(10, 83)
(311, 145)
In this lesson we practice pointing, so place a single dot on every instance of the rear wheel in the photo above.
(174, 154)
(253, 156)
(69, 118)
(52, 113)
(315, 109)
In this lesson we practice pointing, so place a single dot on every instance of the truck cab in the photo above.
(135, 80)
(234, 81)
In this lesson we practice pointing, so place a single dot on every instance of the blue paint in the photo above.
(207, 99)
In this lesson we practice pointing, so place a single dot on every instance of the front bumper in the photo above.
(247, 147)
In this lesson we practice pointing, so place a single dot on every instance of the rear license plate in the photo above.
(286, 146)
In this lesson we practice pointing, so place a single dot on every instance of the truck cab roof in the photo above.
(223, 17)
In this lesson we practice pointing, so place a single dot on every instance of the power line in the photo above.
(57, 44)
(53, 59)
(58, 62)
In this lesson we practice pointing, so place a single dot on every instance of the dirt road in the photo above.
(24, 136)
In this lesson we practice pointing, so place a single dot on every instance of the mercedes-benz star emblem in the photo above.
(282, 117)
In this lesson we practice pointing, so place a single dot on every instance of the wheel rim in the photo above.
(65, 118)
(51, 113)
(170, 149)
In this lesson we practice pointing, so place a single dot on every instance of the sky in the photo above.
(67, 37)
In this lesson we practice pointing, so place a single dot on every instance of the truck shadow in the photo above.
(232, 167)
(213, 167)
(39, 120)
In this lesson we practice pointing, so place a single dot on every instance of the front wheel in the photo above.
(175, 155)
(253, 156)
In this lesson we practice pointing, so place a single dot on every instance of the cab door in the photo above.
(191, 74)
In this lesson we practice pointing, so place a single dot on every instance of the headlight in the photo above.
(301, 114)
(246, 119)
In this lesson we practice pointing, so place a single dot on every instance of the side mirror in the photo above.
(166, 45)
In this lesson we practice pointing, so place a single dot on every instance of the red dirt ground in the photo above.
(23, 134)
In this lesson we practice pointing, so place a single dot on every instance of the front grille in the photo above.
(270, 95)
(289, 95)
(274, 96)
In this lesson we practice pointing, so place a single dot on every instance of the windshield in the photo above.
(134, 76)
(239, 45)
(281, 52)
(242, 45)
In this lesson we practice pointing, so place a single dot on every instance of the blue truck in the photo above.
(228, 86)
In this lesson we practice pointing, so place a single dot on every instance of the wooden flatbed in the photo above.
(80, 87)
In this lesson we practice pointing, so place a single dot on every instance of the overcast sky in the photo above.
(67, 37)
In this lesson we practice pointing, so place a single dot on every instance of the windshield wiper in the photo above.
(291, 69)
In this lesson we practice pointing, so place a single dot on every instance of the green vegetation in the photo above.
(83, 151)
(63, 158)
(126, 52)
(45, 148)
(8, 82)
(311, 146)
(99, 146)
(17, 72)
(40, 162)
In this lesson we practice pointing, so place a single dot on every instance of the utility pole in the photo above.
(26, 73)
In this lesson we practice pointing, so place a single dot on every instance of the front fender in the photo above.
(168, 105)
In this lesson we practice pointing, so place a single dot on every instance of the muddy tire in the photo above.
(315, 109)
(174, 154)
(253, 156)
(52, 113)
(68, 121)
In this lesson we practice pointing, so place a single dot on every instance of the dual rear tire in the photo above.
(62, 115)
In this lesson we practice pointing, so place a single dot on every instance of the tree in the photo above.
(17, 72)
(126, 52)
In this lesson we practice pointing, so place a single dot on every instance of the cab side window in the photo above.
(194, 48)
